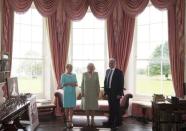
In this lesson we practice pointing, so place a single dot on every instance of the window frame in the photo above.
(134, 60)
(45, 59)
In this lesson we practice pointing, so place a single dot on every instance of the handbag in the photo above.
(83, 103)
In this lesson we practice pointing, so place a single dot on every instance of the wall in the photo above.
(185, 46)
(1, 1)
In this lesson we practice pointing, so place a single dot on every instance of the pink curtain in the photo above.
(120, 28)
(59, 32)
(176, 45)
(7, 29)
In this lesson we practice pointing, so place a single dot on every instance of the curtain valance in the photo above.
(76, 9)
(163, 4)
(134, 7)
(20, 5)
(45, 7)
(102, 8)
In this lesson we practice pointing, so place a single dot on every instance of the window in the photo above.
(88, 44)
(153, 74)
(28, 57)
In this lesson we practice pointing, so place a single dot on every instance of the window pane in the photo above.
(88, 21)
(99, 24)
(99, 36)
(29, 73)
(143, 33)
(165, 31)
(27, 63)
(77, 35)
(155, 50)
(145, 54)
(25, 33)
(98, 52)
(36, 50)
(25, 18)
(146, 82)
(37, 33)
(143, 18)
(153, 73)
(36, 18)
(88, 36)
(26, 53)
(16, 29)
(167, 79)
(156, 32)
(155, 15)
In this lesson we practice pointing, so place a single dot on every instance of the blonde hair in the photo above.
(68, 65)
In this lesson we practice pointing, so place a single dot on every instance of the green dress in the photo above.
(90, 87)
(69, 97)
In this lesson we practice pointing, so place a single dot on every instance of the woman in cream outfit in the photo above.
(90, 91)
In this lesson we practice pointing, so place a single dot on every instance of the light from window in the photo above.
(27, 62)
(88, 45)
(153, 73)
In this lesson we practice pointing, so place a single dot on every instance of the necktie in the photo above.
(109, 76)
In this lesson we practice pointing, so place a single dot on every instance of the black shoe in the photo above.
(106, 124)
(118, 124)
(113, 127)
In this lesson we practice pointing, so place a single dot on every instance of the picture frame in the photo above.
(5, 56)
(12, 87)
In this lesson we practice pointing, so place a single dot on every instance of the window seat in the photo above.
(141, 109)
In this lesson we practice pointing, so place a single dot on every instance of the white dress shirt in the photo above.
(111, 71)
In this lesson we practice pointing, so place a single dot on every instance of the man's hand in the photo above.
(106, 96)
(119, 97)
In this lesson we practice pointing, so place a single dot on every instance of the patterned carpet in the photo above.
(129, 124)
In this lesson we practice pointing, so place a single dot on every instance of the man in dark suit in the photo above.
(113, 87)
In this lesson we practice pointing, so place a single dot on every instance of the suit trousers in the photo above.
(114, 110)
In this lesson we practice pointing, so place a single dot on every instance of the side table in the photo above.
(46, 108)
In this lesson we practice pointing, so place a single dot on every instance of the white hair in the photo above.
(91, 65)
(112, 59)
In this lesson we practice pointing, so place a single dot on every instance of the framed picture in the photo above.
(12, 86)
(5, 56)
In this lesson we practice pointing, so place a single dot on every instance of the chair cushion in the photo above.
(103, 105)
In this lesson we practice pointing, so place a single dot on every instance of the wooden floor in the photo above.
(56, 124)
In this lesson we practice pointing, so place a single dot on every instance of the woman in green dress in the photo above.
(90, 92)
(69, 82)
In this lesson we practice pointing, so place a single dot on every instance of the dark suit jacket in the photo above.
(117, 83)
